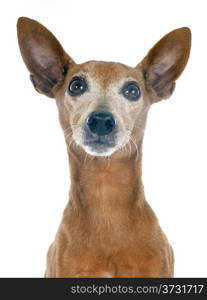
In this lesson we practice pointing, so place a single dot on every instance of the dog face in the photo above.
(102, 105)
(104, 102)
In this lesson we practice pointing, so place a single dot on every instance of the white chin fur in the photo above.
(94, 153)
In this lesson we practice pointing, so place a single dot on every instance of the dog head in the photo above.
(102, 105)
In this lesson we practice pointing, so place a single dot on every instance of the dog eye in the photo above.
(131, 91)
(77, 86)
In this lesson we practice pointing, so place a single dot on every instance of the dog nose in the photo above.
(100, 122)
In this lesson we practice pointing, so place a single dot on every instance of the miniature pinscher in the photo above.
(108, 229)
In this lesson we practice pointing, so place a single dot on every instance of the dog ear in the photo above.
(165, 62)
(43, 55)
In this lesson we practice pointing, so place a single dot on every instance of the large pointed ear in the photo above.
(165, 62)
(43, 55)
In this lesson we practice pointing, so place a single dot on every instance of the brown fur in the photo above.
(108, 229)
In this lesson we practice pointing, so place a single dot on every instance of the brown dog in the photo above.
(108, 229)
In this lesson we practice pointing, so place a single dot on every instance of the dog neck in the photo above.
(104, 187)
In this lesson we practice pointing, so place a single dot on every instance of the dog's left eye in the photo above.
(131, 91)
(77, 86)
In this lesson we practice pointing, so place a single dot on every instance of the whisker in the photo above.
(131, 139)
(84, 163)
(108, 161)
(130, 149)
(76, 125)
(71, 143)
(65, 130)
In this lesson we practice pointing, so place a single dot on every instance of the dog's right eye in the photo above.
(77, 86)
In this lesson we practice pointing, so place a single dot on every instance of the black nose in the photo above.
(101, 122)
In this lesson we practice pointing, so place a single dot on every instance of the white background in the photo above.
(34, 177)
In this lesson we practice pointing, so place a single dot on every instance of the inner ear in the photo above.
(43, 55)
(166, 61)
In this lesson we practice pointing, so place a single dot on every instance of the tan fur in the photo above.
(108, 229)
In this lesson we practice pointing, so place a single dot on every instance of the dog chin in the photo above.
(97, 152)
